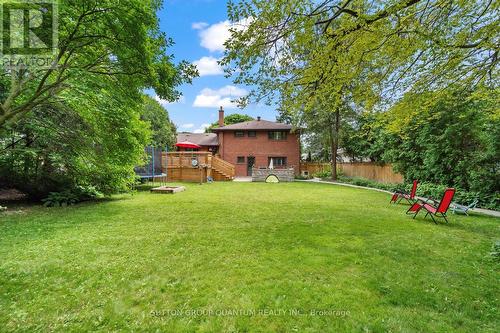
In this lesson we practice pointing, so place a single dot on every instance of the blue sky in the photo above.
(199, 28)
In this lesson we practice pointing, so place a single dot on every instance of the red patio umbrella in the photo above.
(187, 144)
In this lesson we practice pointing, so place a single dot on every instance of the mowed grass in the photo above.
(246, 257)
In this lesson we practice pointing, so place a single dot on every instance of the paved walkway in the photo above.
(475, 210)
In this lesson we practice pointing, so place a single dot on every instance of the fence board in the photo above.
(380, 173)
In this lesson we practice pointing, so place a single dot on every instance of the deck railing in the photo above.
(223, 166)
(179, 166)
(184, 159)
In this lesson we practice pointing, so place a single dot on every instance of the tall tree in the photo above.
(163, 129)
(319, 57)
(97, 38)
(78, 123)
(96, 142)
(229, 120)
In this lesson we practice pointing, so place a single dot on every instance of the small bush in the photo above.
(60, 199)
(71, 197)
(370, 183)
(323, 174)
(87, 193)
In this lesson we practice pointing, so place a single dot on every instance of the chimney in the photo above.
(221, 117)
(258, 118)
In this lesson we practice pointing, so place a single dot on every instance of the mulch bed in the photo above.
(11, 195)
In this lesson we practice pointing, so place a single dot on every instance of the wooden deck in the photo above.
(179, 167)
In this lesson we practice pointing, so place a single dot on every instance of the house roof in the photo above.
(202, 139)
(254, 125)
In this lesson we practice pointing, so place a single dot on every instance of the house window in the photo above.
(278, 162)
(239, 134)
(252, 134)
(277, 135)
(240, 159)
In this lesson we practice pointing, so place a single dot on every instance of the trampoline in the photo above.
(152, 171)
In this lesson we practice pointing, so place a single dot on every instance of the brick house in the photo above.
(206, 141)
(250, 144)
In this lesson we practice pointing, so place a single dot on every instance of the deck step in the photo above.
(222, 174)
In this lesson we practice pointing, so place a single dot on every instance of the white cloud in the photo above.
(202, 128)
(187, 126)
(214, 36)
(210, 98)
(164, 102)
(199, 25)
(208, 66)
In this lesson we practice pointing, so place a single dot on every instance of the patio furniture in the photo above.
(433, 210)
(400, 195)
(457, 208)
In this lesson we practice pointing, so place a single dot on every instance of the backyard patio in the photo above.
(246, 257)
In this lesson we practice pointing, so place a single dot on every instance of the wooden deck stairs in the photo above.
(222, 170)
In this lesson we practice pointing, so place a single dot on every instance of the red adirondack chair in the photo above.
(410, 197)
(433, 210)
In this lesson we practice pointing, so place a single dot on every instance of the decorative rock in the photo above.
(284, 175)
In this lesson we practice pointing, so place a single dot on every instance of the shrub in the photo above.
(370, 183)
(323, 174)
(430, 190)
(60, 199)
(327, 173)
(463, 197)
(87, 193)
(71, 197)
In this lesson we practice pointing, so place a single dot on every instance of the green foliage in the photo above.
(310, 54)
(364, 137)
(323, 174)
(234, 118)
(60, 199)
(462, 196)
(79, 123)
(448, 138)
(87, 193)
(495, 251)
(71, 197)
(164, 130)
(370, 183)
(321, 60)
(95, 141)
(98, 40)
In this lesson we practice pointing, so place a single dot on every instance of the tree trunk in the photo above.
(334, 142)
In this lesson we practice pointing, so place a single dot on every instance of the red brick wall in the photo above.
(259, 147)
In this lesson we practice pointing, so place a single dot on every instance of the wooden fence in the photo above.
(380, 173)
(314, 167)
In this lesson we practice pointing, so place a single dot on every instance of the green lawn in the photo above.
(246, 257)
